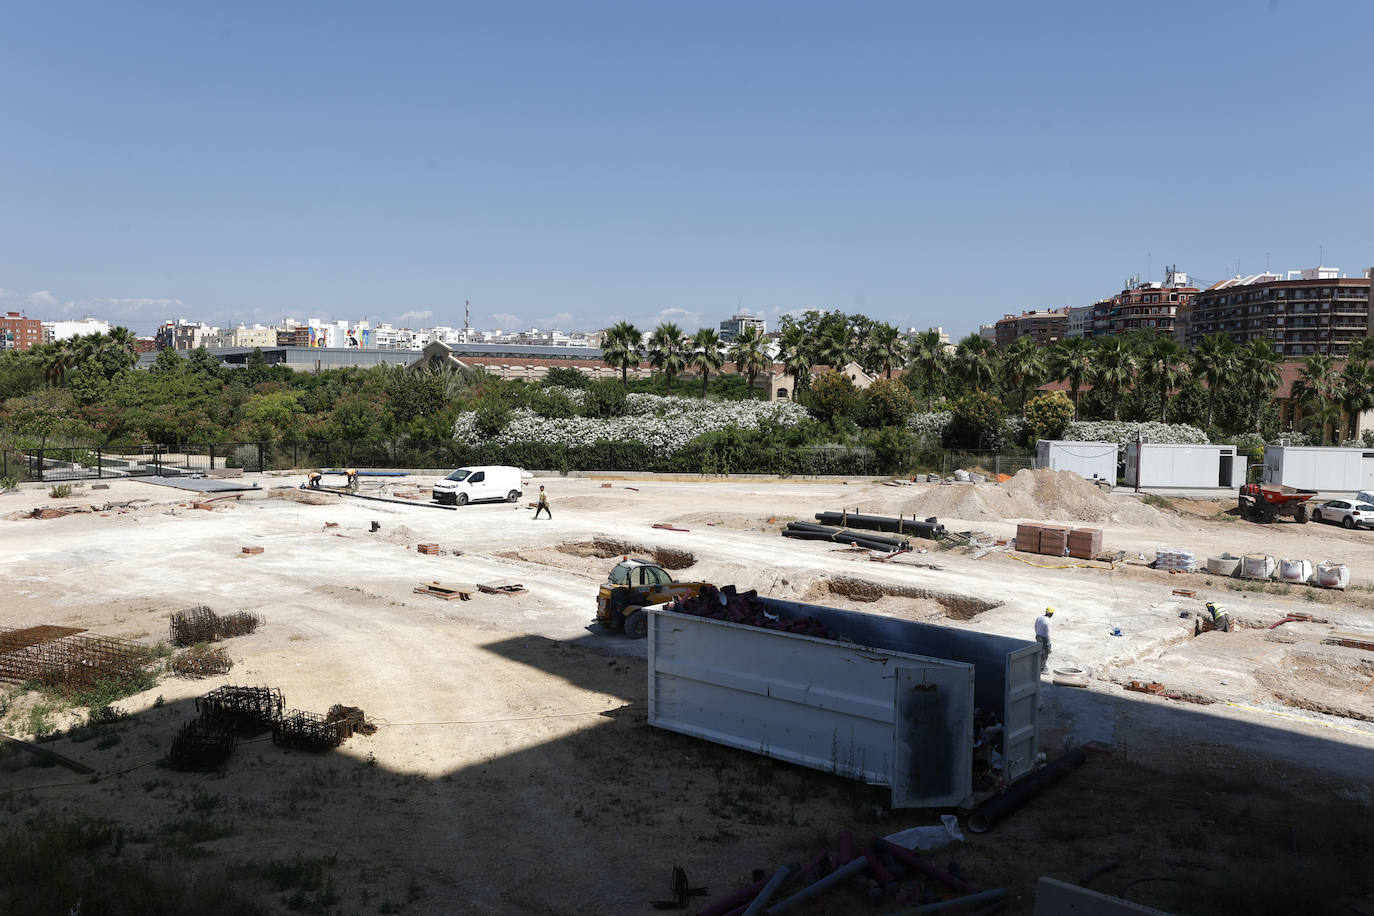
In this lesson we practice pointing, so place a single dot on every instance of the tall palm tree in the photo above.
(1356, 393)
(122, 341)
(1023, 366)
(929, 358)
(749, 350)
(1215, 361)
(1115, 366)
(620, 348)
(708, 354)
(885, 346)
(1166, 367)
(1072, 359)
(56, 359)
(796, 356)
(975, 362)
(1316, 387)
(1259, 370)
(836, 347)
(667, 351)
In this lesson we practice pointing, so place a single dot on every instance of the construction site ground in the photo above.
(514, 771)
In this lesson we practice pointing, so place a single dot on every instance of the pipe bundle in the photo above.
(808, 532)
(929, 528)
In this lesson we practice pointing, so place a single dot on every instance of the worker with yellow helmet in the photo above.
(1042, 636)
(352, 475)
(1221, 618)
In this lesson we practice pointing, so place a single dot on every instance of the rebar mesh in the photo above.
(70, 662)
(308, 731)
(246, 708)
(201, 661)
(202, 744)
(199, 624)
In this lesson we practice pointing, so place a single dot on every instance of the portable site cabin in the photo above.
(1087, 459)
(1315, 467)
(890, 701)
(1154, 464)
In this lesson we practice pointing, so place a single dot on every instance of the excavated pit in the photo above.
(1322, 682)
(907, 601)
(567, 555)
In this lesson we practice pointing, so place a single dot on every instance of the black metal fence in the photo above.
(76, 462)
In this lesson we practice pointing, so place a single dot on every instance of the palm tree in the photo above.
(56, 359)
(122, 340)
(1356, 393)
(796, 356)
(1023, 365)
(1072, 359)
(1215, 362)
(1115, 366)
(975, 362)
(885, 346)
(750, 353)
(1166, 367)
(835, 347)
(708, 354)
(667, 352)
(929, 358)
(1316, 388)
(1259, 370)
(620, 348)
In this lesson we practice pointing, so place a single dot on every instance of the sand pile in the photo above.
(1042, 495)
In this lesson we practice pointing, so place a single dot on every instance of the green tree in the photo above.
(975, 421)
(1259, 371)
(1356, 393)
(492, 416)
(667, 351)
(975, 362)
(167, 361)
(1048, 415)
(749, 351)
(835, 347)
(1115, 365)
(892, 447)
(1166, 367)
(414, 394)
(888, 403)
(885, 347)
(707, 356)
(565, 377)
(797, 357)
(1071, 359)
(274, 415)
(604, 399)
(201, 362)
(1023, 367)
(832, 397)
(1315, 389)
(1215, 362)
(620, 348)
(930, 360)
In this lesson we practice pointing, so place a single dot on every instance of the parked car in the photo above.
(1345, 512)
(467, 485)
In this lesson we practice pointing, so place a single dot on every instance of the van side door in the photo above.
(478, 486)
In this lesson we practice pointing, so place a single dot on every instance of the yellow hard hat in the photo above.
(1049, 611)
(352, 470)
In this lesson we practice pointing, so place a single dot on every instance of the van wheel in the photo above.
(512, 496)
(461, 499)
(637, 624)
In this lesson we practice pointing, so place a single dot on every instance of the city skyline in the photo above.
(570, 168)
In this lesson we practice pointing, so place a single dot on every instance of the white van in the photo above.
(470, 485)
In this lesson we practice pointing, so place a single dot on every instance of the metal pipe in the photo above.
(911, 860)
(770, 890)
(946, 905)
(834, 879)
(994, 810)
(846, 848)
(720, 908)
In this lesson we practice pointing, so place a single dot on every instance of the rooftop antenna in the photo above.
(467, 317)
(1321, 255)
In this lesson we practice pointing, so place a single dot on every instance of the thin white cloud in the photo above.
(505, 320)
(405, 318)
(683, 318)
(42, 304)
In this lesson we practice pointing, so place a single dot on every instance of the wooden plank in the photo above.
(447, 592)
(503, 587)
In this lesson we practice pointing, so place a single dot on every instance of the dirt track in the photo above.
(514, 770)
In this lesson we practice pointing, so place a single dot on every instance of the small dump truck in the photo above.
(1267, 502)
(633, 585)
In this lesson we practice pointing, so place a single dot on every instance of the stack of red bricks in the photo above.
(431, 549)
(1058, 540)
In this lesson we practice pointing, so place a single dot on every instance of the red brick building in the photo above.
(18, 332)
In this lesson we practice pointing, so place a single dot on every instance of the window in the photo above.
(460, 474)
(620, 575)
(478, 477)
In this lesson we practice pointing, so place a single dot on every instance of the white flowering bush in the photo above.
(929, 424)
(665, 424)
(1121, 433)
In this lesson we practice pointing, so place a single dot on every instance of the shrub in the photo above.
(892, 446)
(832, 396)
(565, 377)
(605, 398)
(929, 425)
(1122, 433)
(60, 491)
(492, 417)
(554, 403)
(888, 402)
(1048, 415)
(975, 422)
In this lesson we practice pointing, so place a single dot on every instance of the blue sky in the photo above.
(576, 163)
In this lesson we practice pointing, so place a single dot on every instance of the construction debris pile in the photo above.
(229, 711)
(201, 661)
(201, 625)
(58, 657)
(744, 607)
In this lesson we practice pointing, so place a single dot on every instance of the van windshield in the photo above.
(460, 474)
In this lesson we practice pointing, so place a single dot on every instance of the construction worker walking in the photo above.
(1042, 636)
(1221, 618)
(543, 505)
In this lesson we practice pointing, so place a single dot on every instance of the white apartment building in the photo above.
(241, 336)
(66, 330)
(1080, 321)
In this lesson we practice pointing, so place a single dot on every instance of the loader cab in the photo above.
(634, 584)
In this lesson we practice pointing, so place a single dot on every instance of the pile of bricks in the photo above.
(1058, 540)
(430, 549)
(1153, 687)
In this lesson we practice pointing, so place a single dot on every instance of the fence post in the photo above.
(100, 462)
(157, 459)
(997, 465)
(212, 456)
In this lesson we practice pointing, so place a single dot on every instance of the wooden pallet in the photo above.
(504, 587)
(253, 549)
(446, 592)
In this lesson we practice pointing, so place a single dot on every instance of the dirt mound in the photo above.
(305, 497)
(927, 603)
(1042, 495)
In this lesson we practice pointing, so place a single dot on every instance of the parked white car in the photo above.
(478, 484)
(1345, 512)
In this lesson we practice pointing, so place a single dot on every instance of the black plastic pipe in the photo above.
(997, 809)
(930, 528)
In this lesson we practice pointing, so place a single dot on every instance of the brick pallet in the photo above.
(1058, 540)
